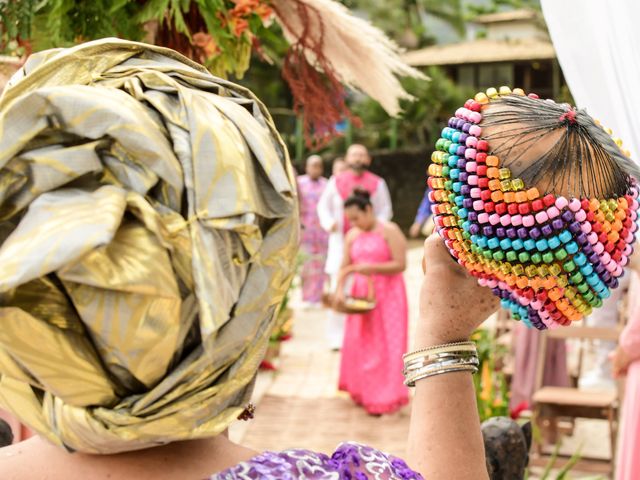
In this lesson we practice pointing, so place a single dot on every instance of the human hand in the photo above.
(364, 268)
(414, 230)
(620, 361)
(452, 304)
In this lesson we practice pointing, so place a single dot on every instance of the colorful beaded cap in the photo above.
(537, 201)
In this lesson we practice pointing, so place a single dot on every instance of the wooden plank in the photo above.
(574, 396)
(591, 333)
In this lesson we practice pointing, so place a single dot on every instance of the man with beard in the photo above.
(332, 218)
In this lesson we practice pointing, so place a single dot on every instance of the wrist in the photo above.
(426, 336)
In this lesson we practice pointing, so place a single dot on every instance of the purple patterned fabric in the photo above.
(351, 461)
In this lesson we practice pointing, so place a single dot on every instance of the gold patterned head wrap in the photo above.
(148, 228)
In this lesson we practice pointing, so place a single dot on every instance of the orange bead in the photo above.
(533, 193)
(497, 196)
(492, 161)
(509, 197)
(494, 184)
(521, 197)
(522, 282)
(493, 172)
(554, 294)
(613, 236)
(594, 204)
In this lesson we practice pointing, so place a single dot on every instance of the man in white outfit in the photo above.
(332, 219)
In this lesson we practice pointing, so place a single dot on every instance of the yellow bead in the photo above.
(504, 173)
(627, 153)
(492, 92)
(618, 141)
(609, 131)
(481, 97)
(517, 184)
(505, 185)
(504, 90)
(518, 91)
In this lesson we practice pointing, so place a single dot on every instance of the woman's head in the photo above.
(359, 210)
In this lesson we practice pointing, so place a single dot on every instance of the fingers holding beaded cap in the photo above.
(537, 201)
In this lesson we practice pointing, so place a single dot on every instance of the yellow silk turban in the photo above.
(148, 229)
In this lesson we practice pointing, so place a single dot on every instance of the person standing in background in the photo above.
(339, 166)
(332, 218)
(374, 341)
(314, 239)
(423, 214)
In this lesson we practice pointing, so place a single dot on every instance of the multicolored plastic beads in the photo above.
(550, 259)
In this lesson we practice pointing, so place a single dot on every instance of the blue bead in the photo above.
(542, 245)
(571, 248)
(553, 242)
(593, 279)
(456, 186)
(586, 269)
(505, 244)
(482, 242)
(454, 173)
(580, 259)
(565, 236)
(453, 161)
(463, 212)
(455, 137)
(529, 244)
(493, 243)
(453, 148)
(517, 244)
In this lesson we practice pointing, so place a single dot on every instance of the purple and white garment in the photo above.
(351, 461)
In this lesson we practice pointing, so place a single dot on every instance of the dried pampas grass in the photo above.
(360, 55)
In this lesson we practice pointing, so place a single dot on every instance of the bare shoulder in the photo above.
(352, 234)
(392, 229)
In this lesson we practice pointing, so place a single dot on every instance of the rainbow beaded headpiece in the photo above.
(537, 201)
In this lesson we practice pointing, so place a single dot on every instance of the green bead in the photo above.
(561, 254)
(569, 266)
(499, 255)
(511, 256)
(547, 257)
(523, 257)
(536, 258)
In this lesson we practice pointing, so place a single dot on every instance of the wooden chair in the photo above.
(553, 403)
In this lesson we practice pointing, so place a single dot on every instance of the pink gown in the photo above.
(374, 342)
(313, 244)
(628, 462)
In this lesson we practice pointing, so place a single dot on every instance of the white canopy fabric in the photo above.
(598, 47)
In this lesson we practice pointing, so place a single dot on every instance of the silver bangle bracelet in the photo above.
(436, 360)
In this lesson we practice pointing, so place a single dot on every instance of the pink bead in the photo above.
(629, 237)
(475, 192)
(598, 248)
(561, 202)
(492, 283)
(505, 220)
(475, 117)
(470, 153)
(627, 250)
(624, 260)
(593, 238)
(574, 205)
(634, 203)
(553, 212)
(471, 166)
(472, 180)
(611, 266)
(475, 130)
(605, 257)
(580, 216)
(471, 142)
(524, 301)
(537, 304)
(516, 220)
(634, 227)
(483, 217)
(460, 112)
(478, 205)
(618, 271)
(482, 282)
(633, 215)
(542, 217)
(503, 285)
(585, 227)
(528, 221)
(494, 219)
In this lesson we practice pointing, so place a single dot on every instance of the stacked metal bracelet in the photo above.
(427, 362)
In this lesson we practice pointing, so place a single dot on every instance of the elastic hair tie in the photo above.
(570, 115)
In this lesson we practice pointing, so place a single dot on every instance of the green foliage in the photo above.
(422, 119)
(494, 6)
(492, 392)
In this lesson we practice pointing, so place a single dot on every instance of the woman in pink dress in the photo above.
(626, 361)
(374, 342)
(313, 244)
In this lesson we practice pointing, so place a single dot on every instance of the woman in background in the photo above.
(371, 368)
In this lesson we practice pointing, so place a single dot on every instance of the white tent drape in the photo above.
(598, 47)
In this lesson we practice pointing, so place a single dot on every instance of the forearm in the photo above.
(444, 434)
(388, 268)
